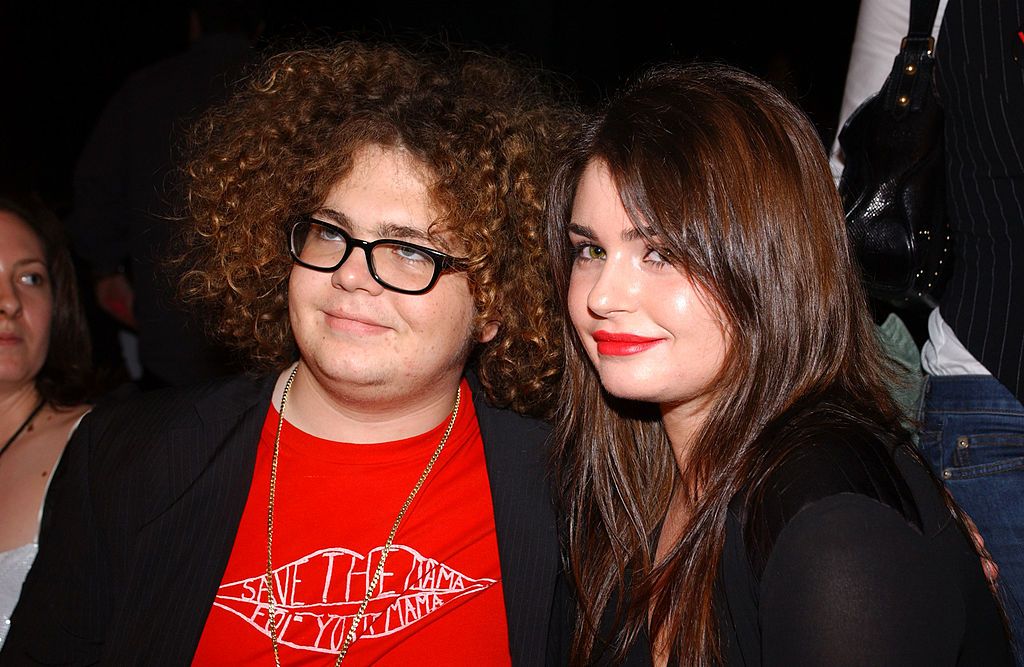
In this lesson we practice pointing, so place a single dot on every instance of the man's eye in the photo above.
(331, 235)
(411, 254)
(588, 252)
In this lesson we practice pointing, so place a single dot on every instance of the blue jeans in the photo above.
(972, 434)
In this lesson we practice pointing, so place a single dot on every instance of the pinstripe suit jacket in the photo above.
(980, 55)
(142, 514)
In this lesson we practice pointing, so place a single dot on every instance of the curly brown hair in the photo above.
(489, 132)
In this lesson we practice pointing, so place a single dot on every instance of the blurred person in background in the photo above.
(970, 412)
(44, 368)
(128, 199)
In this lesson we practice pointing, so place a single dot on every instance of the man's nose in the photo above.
(354, 273)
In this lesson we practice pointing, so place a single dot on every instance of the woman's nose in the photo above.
(615, 288)
(10, 300)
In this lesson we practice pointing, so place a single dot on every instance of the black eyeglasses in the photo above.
(396, 265)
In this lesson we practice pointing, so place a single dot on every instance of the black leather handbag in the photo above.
(893, 184)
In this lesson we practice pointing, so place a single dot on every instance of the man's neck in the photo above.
(363, 415)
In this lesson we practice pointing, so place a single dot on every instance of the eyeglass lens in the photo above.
(398, 264)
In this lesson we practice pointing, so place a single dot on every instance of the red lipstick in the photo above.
(620, 344)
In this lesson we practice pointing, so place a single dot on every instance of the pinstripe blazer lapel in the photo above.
(201, 478)
(524, 520)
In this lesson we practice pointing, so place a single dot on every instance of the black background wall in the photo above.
(62, 61)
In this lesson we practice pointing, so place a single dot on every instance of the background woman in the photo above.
(44, 358)
(737, 483)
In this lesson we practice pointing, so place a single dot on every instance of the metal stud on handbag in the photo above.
(893, 183)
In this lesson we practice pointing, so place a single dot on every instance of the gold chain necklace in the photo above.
(269, 581)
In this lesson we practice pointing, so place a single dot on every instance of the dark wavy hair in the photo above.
(66, 376)
(487, 130)
(730, 180)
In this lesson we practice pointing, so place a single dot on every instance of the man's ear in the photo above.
(489, 331)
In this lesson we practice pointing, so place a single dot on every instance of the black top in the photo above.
(846, 554)
(852, 558)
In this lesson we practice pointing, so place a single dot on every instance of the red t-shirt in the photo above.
(439, 599)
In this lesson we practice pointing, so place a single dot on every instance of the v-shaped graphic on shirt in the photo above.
(318, 595)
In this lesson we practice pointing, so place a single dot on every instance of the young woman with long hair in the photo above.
(737, 484)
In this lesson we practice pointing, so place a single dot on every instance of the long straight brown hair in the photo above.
(730, 179)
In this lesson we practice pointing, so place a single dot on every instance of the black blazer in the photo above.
(142, 514)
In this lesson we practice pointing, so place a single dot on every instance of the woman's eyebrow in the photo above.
(631, 234)
(581, 230)
(635, 233)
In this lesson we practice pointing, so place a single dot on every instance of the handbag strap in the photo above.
(909, 86)
(922, 17)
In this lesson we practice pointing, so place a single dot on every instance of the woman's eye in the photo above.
(34, 279)
(589, 252)
(655, 256)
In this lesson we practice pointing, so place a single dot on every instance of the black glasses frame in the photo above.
(442, 261)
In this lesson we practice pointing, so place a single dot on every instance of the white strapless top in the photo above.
(15, 563)
(14, 566)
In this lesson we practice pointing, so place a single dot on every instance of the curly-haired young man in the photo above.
(364, 223)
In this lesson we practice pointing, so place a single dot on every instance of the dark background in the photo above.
(61, 62)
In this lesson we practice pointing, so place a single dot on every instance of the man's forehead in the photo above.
(388, 192)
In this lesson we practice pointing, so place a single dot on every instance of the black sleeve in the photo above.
(561, 624)
(60, 615)
(850, 582)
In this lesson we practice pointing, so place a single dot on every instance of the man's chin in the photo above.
(352, 378)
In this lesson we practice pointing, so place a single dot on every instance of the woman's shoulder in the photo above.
(67, 417)
(843, 461)
(57, 422)
(846, 523)
(827, 461)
